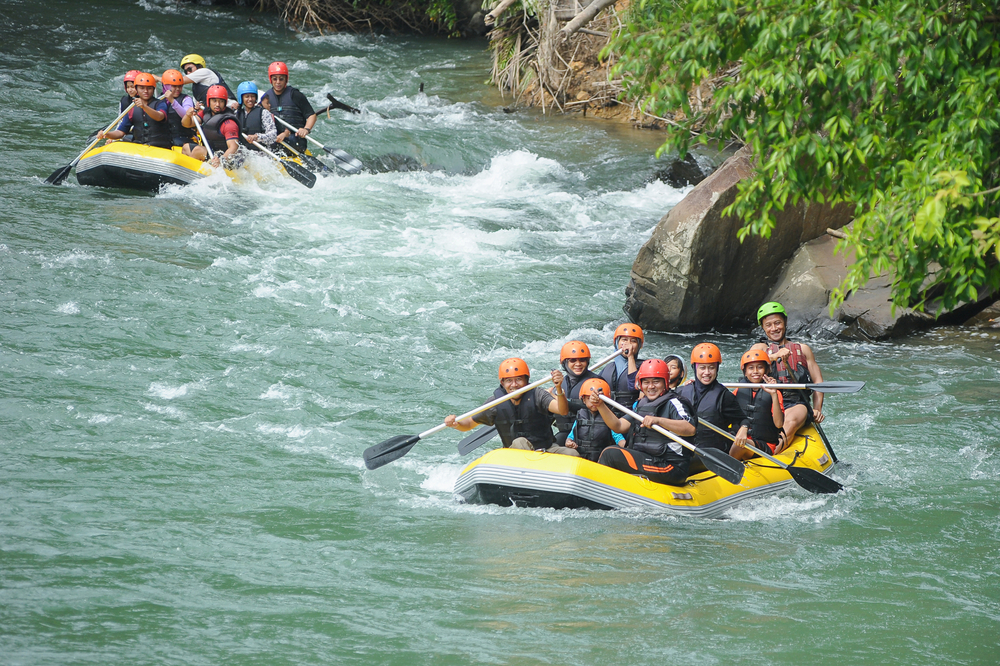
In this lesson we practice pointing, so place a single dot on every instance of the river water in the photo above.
(189, 380)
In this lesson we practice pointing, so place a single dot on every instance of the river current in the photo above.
(189, 380)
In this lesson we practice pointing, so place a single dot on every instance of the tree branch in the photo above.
(583, 18)
(491, 18)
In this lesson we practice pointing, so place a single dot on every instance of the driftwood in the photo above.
(491, 18)
(583, 18)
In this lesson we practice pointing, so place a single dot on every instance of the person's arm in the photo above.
(487, 418)
(684, 422)
(817, 376)
(570, 443)
(777, 402)
(559, 405)
(153, 112)
(188, 119)
(620, 426)
(308, 113)
(270, 131)
(123, 128)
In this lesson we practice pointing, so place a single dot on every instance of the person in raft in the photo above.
(791, 363)
(712, 401)
(620, 374)
(201, 78)
(178, 104)
(524, 422)
(255, 121)
(147, 121)
(675, 364)
(764, 407)
(290, 105)
(220, 127)
(130, 93)
(591, 434)
(575, 360)
(647, 452)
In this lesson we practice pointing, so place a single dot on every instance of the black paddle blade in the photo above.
(345, 161)
(838, 387)
(59, 175)
(299, 173)
(476, 439)
(814, 481)
(337, 104)
(723, 464)
(389, 450)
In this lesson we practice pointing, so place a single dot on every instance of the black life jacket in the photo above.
(150, 132)
(178, 132)
(523, 420)
(124, 104)
(592, 434)
(756, 404)
(283, 107)
(708, 407)
(620, 392)
(650, 441)
(792, 370)
(211, 126)
(200, 90)
(250, 123)
(571, 387)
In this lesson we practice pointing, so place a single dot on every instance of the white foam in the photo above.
(69, 308)
(166, 391)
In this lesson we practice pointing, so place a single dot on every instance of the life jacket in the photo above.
(148, 131)
(250, 123)
(523, 420)
(618, 381)
(124, 104)
(178, 132)
(652, 442)
(756, 404)
(792, 370)
(592, 434)
(708, 407)
(283, 107)
(200, 90)
(571, 387)
(212, 125)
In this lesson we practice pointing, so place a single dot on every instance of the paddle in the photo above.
(296, 171)
(822, 387)
(204, 140)
(308, 159)
(394, 448)
(810, 479)
(60, 174)
(345, 161)
(337, 104)
(483, 435)
(826, 441)
(723, 464)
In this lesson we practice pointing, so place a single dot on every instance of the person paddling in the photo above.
(620, 375)
(575, 360)
(647, 452)
(791, 363)
(764, 408)
(178, 104)
(591, 434)
(712, 401)
(524, 422)
(147, 121)
(290, 105)
(222, 131)
(201, 77)
(256, 122)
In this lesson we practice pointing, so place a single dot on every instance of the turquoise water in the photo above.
(189, 380)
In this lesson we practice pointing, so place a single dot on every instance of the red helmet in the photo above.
(754, 355)
(277, 68)
(131, 74)
(706, 352)
(630, 330)
(144, 79)
(653, 367)
(217, 92)
(172, 77)
(594, 383)
(513, 367)
(574, 349)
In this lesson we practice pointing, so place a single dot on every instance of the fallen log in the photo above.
(583, 18)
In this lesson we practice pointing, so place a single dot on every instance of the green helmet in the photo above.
(769, 309)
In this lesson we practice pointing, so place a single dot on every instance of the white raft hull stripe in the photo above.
(139, 163)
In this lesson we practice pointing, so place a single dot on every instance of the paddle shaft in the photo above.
(303, 156)
(106, 129)
(296, 129)
(663, 431)
(712, 426)
(201, 133)
(498, 401)
(822, 387)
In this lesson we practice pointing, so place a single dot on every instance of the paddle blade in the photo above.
(813, 481)
(723, 464)
(838, 387)
(345, 161)
(389, 450)
(59, 175)
(337, 104)
(299, 173)
(476, 439)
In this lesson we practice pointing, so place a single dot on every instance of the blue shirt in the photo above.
(155, 104)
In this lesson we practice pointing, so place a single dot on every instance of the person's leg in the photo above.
(562, 450)
(523, 444)
(795, 417)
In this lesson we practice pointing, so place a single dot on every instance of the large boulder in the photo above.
(694, 274)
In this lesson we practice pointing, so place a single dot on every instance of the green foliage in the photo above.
(888, 105)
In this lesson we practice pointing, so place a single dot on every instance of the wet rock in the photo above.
(681, 173)
(397, 162)
(989, 317)
(693, 274)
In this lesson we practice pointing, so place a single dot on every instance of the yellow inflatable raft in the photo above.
(533, 479)
(123, 164)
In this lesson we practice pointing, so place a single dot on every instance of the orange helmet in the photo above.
(172, 77)
(217, 92)
(594, 383)
(574, 349)
(653, 367)
(131, 74)
(754, 355)
(144, 79)
(514, 367)
(706, 352)
(630, 330)
(277, 68)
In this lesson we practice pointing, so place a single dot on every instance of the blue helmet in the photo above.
(244, 88)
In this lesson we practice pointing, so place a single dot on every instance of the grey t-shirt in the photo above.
(542, 399)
